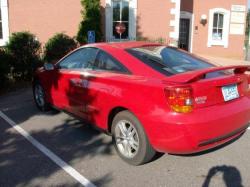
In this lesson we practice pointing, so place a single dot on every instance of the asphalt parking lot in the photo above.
(88, 154)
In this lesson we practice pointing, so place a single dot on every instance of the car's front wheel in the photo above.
(39, 97)
(130, 140)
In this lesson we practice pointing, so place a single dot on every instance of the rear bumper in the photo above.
(224, 137)
(200, 130)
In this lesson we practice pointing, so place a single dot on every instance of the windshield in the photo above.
(168, 60)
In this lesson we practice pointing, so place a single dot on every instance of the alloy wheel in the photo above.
(126, 137)
(39, 95)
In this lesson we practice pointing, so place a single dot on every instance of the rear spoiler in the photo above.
(193, 76)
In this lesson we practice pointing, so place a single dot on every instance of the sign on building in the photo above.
(238, 8)
(91, 37)
(237, 29)
(238, 17)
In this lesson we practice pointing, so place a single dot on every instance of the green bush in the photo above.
(25, 50)
(57, 47)
(91, 21)
(4, 67)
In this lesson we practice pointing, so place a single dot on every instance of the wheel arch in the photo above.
(35, 80)
(112, 114)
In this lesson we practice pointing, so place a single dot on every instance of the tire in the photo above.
(130, 140)
(39, 97)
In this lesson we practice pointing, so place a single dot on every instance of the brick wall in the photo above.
(44, 17)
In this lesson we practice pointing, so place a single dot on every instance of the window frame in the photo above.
(125, 69)
(4, 22)
(109, 20)
(71, 53)
(1, 24)
(121, 17)
(225, 32)
(218, 27)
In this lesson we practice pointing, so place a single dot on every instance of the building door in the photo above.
(184, 34)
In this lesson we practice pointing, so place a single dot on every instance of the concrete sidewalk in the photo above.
(225, 61)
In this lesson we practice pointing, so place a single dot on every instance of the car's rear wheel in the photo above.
(130, 140)
(39, 97)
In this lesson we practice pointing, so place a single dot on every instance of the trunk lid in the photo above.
(217, 85)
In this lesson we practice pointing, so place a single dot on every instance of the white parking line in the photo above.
(67, 168)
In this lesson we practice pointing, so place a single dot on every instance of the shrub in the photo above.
(91, 21)
(57, 47)
(4, 67)
(24, 49)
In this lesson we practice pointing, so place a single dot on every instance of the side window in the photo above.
(83, 58)
(106, 62)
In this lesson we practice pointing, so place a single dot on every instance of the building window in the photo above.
(1, 25)
(218, 28)
(4, 22)
(121, 16)
(121, 19)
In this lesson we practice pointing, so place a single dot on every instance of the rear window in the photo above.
(168, 61)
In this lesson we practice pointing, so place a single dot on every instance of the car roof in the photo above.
(124, 45)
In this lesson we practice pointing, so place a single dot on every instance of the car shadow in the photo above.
(72, 140)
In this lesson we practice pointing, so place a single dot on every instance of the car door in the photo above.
(101, 83)
(68, 93)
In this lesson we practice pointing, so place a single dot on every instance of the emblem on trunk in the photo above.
(201, 100)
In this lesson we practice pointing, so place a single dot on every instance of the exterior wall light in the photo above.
(203, 19)
(108, 5)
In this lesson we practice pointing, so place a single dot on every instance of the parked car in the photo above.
(149, 97)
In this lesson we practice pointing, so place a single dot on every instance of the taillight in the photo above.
(180, 99)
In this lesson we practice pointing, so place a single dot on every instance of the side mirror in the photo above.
(49, 67)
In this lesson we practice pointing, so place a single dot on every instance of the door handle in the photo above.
(75, 82)
(80, 83)
(87, 75)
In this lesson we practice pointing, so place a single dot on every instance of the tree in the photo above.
(4, 67)
(247, 29)
(91, 14)
(57, 47)
(25, 50)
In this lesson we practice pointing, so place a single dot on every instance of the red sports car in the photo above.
(149, 97)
